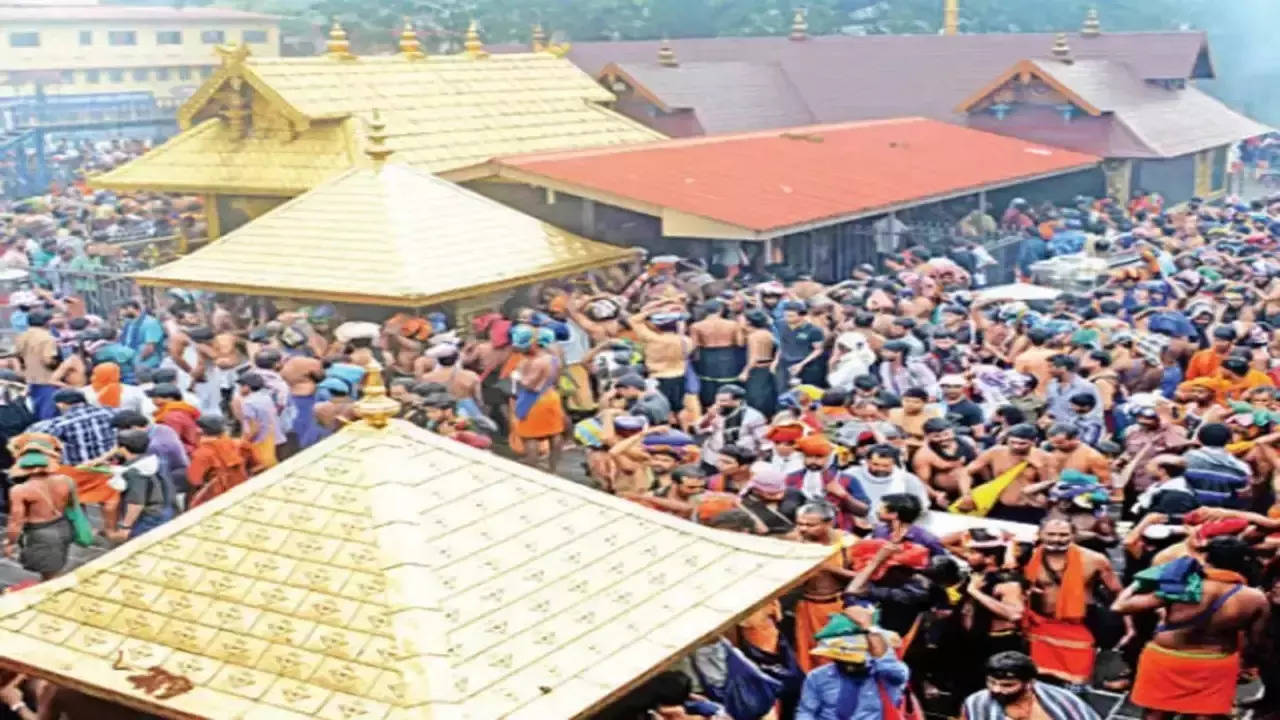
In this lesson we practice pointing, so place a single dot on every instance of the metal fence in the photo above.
(104, 291)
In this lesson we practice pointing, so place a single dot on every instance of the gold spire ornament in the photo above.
(338, 47)
(1061, 50)
(376, 149)
(950, 16)
(799, 26)
(538, 41)
(374, 406)
(472, 45)
(410, 46)
(667, 56)
(1092, 26)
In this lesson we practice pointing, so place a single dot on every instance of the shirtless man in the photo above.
(538, 413)
(1062, 576)
(820, 594)
(1191, 664)
(72, 371)
(1071, 454)
(657, 326)
(718, 350)
(913, 415)
(1022, 500)
(1035, 360)
(461, 382)
(940, 463)
(302, 371)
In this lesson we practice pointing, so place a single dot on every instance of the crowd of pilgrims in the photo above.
(1133, 431)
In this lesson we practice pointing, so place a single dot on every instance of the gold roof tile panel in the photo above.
(443, 113)
(391, 235)
(462, 587)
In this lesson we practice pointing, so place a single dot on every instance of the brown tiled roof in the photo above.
(841, 78)
(1146, 120)
(745, 96)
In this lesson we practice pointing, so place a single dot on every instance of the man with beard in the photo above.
(1065, 384)
(143, 334)
(960, 410)
(879, 475)
(1012, 471)
(1191, 665)
(898, 374)
(1013, 693)
(945, 358)
(1148, 437)
(820, 481)
(729, 422)
(864, 676)
(771, 502)
(1062, 576)
(820, 593)
(800, 346)
(940, 464)
(1071, 454)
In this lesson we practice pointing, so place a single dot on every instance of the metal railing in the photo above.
(104, 291)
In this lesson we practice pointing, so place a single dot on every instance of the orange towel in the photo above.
(545, 419)
(1071, 594)
(1059, 648)
(91, 485)
(812, 616)
(1185, 682)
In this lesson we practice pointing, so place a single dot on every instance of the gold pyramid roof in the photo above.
(390, 235)
(394, 574)
(443, 113)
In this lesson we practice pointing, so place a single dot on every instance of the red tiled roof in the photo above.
(779, 179)
(839, 78)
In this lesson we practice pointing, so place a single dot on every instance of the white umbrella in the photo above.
(1018, 291)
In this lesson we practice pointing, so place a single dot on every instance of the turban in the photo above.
(814, 446)
(785, 433)
(522, 336)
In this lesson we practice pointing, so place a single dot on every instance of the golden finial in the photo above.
(377, 149)
(232, 55)
(950, 17)
(1092, 26)
(799, 26)
(539, 38)
(338, 47)
(374, 407)
(667, 56)
(410, 47)
(1061, 50)
(472, 45)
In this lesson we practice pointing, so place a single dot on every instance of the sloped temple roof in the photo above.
(393, 574)
(280, 126)
(388, 235)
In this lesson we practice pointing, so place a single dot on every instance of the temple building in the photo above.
(389, 573)
(262, 130)
(390, 234)
(1160, 135)
(697, 86)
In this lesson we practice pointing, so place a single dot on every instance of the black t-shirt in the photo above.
(965, 412)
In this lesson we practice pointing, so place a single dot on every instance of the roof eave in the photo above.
(1027, 68)
(612, 70)
(776, 232)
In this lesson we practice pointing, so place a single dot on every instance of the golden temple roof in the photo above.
(391, 235)
(442, 112)
(394, 574)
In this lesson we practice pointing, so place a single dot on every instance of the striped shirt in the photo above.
(1057, 703)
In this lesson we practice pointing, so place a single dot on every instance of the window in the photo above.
(206, 71)
(255, 36)
(67, 76)
(24, 39)
(162, 74)
(184, 73)
(212, 37)
(169, 37)
(86, 37)
(115, 75)
(122, 37)
(140, 74)
(92, 76)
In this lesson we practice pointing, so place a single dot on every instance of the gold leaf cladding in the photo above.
(234, 647)
(242, 681)
(290, 662)
(282, 629)
(96, 641)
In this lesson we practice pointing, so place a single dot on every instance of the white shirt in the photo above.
(131, 398)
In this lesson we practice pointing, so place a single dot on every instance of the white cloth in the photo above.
(812, 485)
(131, 398)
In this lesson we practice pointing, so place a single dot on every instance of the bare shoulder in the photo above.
(1094, 561)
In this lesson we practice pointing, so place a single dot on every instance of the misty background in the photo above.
(1241, 33)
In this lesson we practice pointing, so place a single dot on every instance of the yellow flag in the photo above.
(987, 494)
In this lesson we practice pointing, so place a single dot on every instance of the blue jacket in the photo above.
(820, 696)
